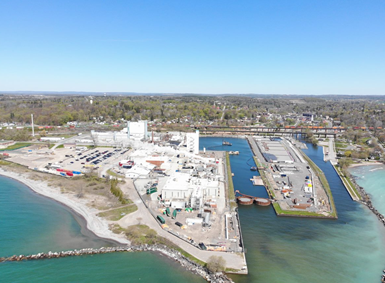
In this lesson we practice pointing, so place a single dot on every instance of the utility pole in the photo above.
(33, 128)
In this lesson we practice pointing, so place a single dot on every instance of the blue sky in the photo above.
(271, 46)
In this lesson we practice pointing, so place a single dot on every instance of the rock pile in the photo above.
(175, 255)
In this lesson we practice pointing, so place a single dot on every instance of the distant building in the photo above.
(137, 130)
(308, 116)
(51, 139)
(134, 131)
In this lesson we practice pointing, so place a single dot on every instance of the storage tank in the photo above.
(207, 218)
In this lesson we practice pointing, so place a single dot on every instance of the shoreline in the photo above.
(94, 223)
(366, 163)
(99, 227)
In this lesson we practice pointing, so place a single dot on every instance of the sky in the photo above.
(212, 47)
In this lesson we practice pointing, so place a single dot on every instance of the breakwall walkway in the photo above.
(347, 186)
(175, 255)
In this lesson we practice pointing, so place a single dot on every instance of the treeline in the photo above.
(58, 110)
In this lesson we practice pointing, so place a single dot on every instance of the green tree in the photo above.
(216, 263)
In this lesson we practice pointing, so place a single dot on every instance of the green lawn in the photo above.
(110, 172)
(16, 146)
(350, 186)
(280, 211)
(232, 200)
(118, 213)
(341, 145)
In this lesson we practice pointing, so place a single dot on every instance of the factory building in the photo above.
(137, 130)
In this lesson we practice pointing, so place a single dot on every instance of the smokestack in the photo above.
(33, 128)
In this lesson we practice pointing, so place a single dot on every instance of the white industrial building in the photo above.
(137, 130)
(192, 142)
(139, 171)
(133, 131)
(182, 186)
(51, 139)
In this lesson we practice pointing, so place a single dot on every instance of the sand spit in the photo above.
(95, 224)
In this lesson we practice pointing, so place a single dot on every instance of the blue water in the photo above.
(350, 249)
(372, 178)
(30, 223)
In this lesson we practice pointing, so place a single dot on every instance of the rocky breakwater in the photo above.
(368, 203)
(170, 253)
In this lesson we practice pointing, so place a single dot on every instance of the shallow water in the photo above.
(372, 179)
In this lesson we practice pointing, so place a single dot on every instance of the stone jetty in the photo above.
(175, 255)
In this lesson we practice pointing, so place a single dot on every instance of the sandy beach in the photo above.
(95, 224)
(366, 163)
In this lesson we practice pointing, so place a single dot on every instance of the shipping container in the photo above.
(202, 246)
(151, 191)
(174, 213)
(161, 219)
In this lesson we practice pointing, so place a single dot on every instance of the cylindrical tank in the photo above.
(245, 200)
(263, 202)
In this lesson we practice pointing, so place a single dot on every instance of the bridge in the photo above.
(276, 131)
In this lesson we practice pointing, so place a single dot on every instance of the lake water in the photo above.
(372, 178)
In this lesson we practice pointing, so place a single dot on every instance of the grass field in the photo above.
(280, 211)
(16, 146)
(118, 213)
(110, 172)
(231, 193)
(348, 183)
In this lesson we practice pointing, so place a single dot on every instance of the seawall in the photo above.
(175, 255)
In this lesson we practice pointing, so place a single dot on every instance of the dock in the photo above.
(257, 181)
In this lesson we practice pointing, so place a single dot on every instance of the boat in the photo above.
(253, 168)
(234, 152)
(226, 143)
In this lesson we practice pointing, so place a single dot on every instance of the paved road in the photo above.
(332, 153)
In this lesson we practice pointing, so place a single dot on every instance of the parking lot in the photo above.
(80, 159)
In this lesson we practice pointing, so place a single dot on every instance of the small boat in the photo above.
(253, 168)
(226, 143)
(234, 152)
